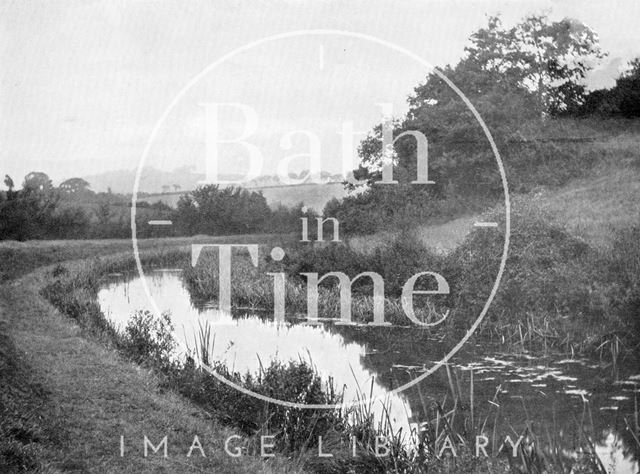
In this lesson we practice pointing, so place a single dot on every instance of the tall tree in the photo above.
(548, 58)
(37, 181)
(511, 75)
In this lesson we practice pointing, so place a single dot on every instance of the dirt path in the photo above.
(82, 396)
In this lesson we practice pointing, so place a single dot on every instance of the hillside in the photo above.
(155, 181)
(591, 208)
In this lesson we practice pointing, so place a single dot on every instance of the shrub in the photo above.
(295, 381)
(149, 339)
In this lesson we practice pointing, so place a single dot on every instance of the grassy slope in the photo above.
(592, 208)
(67, 399)
(589, 207)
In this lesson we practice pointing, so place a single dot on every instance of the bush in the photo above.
(149, 339)
(295, 381)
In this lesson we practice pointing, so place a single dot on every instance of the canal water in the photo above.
(559, 394)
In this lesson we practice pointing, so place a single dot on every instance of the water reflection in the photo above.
(522, 386)
(245, 342)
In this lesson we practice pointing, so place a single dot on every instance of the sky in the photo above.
(83, 84)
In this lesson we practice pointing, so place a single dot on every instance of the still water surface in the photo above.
(557, 392)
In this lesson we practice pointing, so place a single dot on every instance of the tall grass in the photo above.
(253, 288)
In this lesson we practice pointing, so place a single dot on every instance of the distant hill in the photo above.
(314, 196)
(154, 181)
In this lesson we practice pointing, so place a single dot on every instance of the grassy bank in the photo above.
(66, 400)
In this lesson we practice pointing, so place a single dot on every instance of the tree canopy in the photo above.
(214, 210)
(37, 181)
(74, 185)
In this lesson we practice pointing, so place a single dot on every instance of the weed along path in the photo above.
(72, 404)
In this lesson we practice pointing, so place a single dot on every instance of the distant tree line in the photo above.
(72, 211)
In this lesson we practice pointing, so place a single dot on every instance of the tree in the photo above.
(513, 77)
(103, 213)
(510, 75)
(176, 187)
(627, 90)
(550, 59)
(622, 99)
(8, 182)
(187, 215)
(74, 185)
(37, 181)
(213, 210)
(29, 213)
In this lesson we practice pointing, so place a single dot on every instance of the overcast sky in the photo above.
(83, 83)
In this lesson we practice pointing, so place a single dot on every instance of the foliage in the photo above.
(147, 337)
(74, 185)
(511, 77)
(396, 261)
(29, 212)
(217, 211)
(72, 211)
(37, 181)
(621, 100)
(555, 288)
(296, 381)
(549, 59)
(516, 78)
